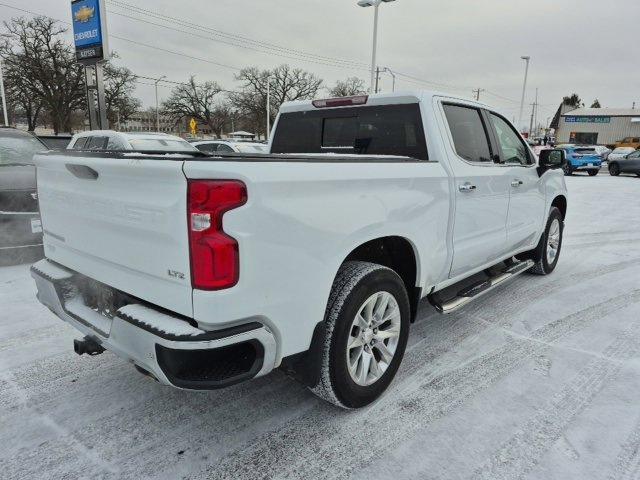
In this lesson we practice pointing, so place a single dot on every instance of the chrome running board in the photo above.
(477, 290)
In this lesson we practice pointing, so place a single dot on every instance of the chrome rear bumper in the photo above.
(168, 347)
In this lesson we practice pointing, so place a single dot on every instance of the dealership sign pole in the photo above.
(92, 50)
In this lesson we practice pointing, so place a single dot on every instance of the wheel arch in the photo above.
(560, 202)
(400, 255)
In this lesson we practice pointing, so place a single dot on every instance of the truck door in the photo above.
(481, 190)
(526, 191)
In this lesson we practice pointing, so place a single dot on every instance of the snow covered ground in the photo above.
(539, 380)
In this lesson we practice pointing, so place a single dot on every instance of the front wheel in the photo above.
(593, 173)
(614, 169)
(547, 253)
(367, 326)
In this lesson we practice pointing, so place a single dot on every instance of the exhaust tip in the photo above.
(88, 346)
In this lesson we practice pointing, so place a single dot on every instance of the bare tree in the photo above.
(119, 85)
(36, 50)
(349, 87)
(21, 100)
(201, 101)
(286, 84)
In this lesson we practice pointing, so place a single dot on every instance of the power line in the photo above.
(232, 39)
(197, 35)
(124, 39)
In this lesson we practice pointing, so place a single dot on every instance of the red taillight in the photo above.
(341, 101)
(215, 261)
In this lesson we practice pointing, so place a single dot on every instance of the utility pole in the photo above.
(377, 79)
(477, 92)
(268, 107)
(533, 111)
(157, 104)
(535, 122)
(4, 97)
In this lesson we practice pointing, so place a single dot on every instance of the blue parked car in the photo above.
(581, 159)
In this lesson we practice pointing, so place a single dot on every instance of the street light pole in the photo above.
(157, 103)
(524, 89)
(4, 98)
(376, 5)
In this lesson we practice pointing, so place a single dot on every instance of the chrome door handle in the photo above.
(466, 187)
(516, 183)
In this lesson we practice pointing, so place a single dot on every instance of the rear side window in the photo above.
(468, 132)
(378, 130)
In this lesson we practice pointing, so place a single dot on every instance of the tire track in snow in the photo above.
(523, 451)
(59, 448)
(532, 292)
(326, 437)
(627, 464)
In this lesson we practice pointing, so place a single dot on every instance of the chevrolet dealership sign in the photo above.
(89, 30)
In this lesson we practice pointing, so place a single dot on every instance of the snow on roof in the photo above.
(243, 133)
(603, 112)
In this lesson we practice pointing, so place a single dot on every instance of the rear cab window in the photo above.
(369, 130)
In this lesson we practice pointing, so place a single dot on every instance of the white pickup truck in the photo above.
(204, 271)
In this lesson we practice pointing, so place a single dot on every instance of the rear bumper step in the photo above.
(169, 347)
(477, 290)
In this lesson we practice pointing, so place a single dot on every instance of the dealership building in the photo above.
(597, 126)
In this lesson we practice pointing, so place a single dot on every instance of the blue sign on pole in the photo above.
(89, 30)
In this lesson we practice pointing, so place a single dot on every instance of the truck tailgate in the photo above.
(121, 221)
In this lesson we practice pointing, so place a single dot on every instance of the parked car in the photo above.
(20, 226)
(628, 164)
(633, 142)
(56, 142)
(219, 146)
(620, 153)
(581, 159)
(110, 140)
(602, 151)
(313, 258)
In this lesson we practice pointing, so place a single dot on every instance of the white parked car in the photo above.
(620, 153)
(602, 151)
(110, 140)
(221, 146)
(313, 258)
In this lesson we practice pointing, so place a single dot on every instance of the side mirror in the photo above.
(551, 160)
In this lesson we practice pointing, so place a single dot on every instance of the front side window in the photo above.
(222, 148)
(468, 133)
(208, 147)
(514, 150)
(96, 143)
(80, 143)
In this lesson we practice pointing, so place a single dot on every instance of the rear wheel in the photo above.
(367, 326)
(614, 169)
(593, 173)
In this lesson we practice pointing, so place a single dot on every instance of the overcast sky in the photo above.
(584, 46)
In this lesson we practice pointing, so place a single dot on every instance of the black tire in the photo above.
(614, 169)
(355, 283)
(593, 173)
(539, 254)
(568, 171)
